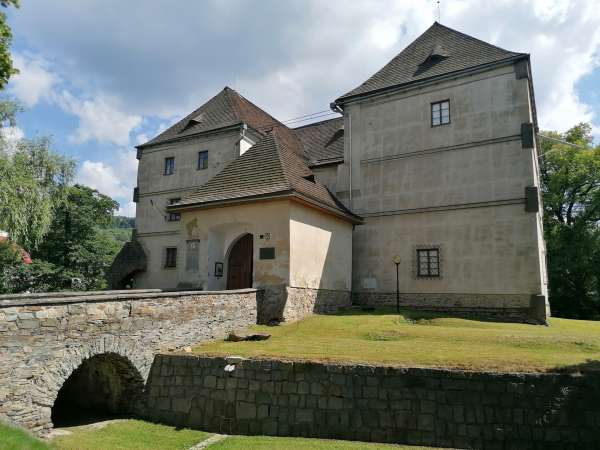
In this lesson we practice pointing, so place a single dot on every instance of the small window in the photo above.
(440, 113)
(203, 160)
(171, 257)
(173, 216)
(170, 165)
(428, 262)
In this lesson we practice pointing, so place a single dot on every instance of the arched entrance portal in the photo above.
(106, 385)
(239, 264)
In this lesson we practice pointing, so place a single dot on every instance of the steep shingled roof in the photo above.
(323, 141)
(438, 51)
(227, 108)
(269, 168)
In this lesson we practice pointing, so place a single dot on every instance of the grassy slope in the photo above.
(426, 340)
(129, 435)
(17, 439)
(263, 443)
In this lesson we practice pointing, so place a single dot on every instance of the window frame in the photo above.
(205, 160)
(428, 273)
(173, 216)
(172, 167)
(170, 263)
(440, 103)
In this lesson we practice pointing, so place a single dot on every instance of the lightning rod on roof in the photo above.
(439, 13)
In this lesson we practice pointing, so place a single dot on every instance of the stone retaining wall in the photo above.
(505, 308)
(412, 406)
(289, 304)
(44, 339)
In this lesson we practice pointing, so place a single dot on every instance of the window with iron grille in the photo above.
(440, 113)
(170, 165)
(173, 216)
(170, 257)
(428, 262)
(203, 160)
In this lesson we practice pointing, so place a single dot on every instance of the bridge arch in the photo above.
(108, 374)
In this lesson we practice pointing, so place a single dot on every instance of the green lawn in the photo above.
(17, 439)
(265, 442)
(128, 435)
(137, 434)
(426, 340)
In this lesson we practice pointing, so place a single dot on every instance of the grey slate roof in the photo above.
(323, 142)
(438, 51)
(227, 108)
(267, 169)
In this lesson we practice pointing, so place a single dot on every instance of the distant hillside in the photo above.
(121, 229)
(123, 222)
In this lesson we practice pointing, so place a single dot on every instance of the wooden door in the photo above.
(239, 265)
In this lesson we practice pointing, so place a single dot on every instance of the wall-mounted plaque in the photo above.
(266, 253)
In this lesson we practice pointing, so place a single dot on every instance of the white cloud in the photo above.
(115, 180)
(34, 81)
(126, 209)
(296, 65)
(563, 38)
(100, 118)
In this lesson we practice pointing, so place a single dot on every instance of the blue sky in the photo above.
(103, 76)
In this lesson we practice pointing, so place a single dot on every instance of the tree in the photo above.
(6, 63)
(77, 241)
(32, 182)
(571, 191)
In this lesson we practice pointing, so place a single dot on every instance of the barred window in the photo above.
(171, 257)
(428, 262)
(440, 113)
(203, 160)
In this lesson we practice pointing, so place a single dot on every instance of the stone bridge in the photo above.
(66, 354)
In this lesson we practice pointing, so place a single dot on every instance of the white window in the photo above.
(440, 113)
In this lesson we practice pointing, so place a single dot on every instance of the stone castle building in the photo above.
(433, 164)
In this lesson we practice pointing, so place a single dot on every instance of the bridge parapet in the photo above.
(43, 339)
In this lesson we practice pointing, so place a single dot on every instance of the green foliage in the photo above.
(9, 254)
(6, 64)
(32, 183)
(571, 191)
(40, 276)
(77, 240)
(123, 222)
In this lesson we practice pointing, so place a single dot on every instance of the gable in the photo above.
(438, 51)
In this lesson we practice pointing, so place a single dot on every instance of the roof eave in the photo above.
(224, 129)
(288, 194)
(340, 101)
(230, 201)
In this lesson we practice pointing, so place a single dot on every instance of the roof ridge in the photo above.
(316, 123)
(410, 65)
(278, 147)
(473, 38)
(228, 93)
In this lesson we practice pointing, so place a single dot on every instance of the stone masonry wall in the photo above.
(383, 404)
(289, 304)
(506, 308)
(43, 340)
